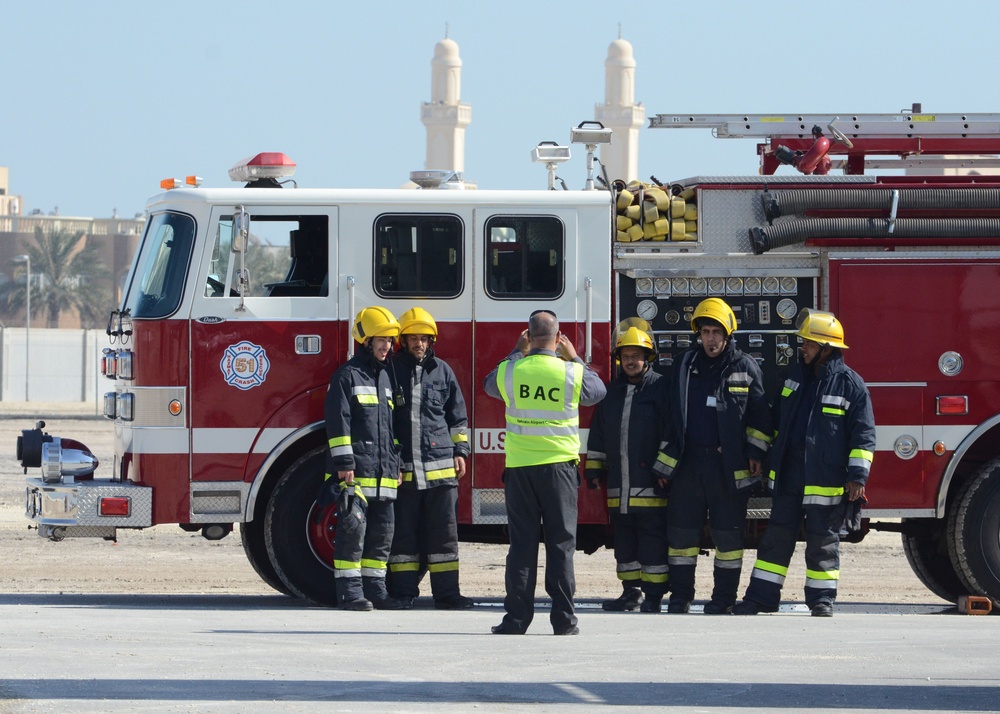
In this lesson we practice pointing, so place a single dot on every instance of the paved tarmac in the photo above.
(142, 653)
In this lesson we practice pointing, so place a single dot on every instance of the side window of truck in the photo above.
(418, 256)
(524, 257)
(287, 257)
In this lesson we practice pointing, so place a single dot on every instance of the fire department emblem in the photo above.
(245, 365)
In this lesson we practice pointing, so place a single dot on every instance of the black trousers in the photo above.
(701, 488)
(641, 549)
(822, 530)
(426, 537)
(360, 558)
(541, 504)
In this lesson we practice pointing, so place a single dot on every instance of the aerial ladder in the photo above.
(968, 141)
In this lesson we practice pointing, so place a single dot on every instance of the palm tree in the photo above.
(67, 274)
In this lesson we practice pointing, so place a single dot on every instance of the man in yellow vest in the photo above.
(542, 383)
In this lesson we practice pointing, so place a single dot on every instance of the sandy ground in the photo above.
(165, 559)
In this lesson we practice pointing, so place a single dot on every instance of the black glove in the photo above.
(852, 515)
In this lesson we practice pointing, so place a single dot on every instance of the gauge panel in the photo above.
(765, 309)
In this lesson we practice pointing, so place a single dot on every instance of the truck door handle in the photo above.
(308, 344)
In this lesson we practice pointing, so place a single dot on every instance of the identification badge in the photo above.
(710, 402)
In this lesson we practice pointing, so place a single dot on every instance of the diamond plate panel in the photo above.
(77, 504)
(218, 501)
(759, 508)
(488, 506)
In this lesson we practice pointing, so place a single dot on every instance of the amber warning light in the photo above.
(169, 183)
(266, 165)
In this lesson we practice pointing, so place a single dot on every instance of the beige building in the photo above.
(116, 240)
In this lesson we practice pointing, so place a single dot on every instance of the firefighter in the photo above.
(718, 433)
(818, 469)
(621, 449)
(364, 456)
(433, 434)
(542, 394)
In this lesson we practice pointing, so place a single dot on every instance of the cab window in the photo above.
(418, 256)
(287, 257)
(524, 257)
(161, 268)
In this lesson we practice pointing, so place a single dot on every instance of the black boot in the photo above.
(627, 601)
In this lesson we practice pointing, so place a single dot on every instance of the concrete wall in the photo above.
(63, 366)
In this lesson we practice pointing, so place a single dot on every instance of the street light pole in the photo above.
(26, 259)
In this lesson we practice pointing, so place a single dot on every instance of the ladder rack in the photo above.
(965, 140)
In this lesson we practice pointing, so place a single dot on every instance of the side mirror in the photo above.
(241, 231)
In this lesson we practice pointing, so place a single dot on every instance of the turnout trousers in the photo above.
(641, 549)
(360, 558)
(822, 531)
(701, 488)
(426, 537)
(541, 502)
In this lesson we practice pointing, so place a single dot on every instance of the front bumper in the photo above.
(74, 509)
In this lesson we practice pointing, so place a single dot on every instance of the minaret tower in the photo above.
(620, 113)
(445, 116)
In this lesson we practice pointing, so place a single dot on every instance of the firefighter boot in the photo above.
(652, 603)
(681, 588)
(727, 582)
(375, 591)
(349, 595)
(629, 600)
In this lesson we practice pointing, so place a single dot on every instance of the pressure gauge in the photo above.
(786, 308)
(662, 286)
(716, 286)
(734, 286)
(672, 317)
(644, 286)
(789, 286)
(699, 286)
(770, 285)
(751, 286)
(680, 286)
(646, 310)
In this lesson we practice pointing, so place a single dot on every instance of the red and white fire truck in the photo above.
(238, 308)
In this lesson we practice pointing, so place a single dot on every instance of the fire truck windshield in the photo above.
(158, 277)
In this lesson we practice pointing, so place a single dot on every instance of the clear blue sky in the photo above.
(102, 99)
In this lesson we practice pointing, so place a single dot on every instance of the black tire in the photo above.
(252, 537)
(974, 533)
(927, 552)
(299, 537)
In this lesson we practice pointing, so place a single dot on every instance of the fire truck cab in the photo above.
(237, 312)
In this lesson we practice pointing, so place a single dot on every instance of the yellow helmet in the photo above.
(634, 337)
(715, 309)
(417, 321)
(374, 321)
(821, 327)
(628, 322)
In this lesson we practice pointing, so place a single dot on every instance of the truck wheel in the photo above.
(299, 535)
(927, 553)
(974, 532)
(252, 537)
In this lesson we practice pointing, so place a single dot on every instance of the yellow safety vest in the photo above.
(542, 394)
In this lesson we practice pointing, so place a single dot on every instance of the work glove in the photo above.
(853, 527)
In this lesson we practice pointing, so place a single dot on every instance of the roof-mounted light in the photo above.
(267, 166)
(169, 183)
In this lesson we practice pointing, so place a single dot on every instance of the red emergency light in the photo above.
(115, 506)
(957, 406)
(266, 165)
